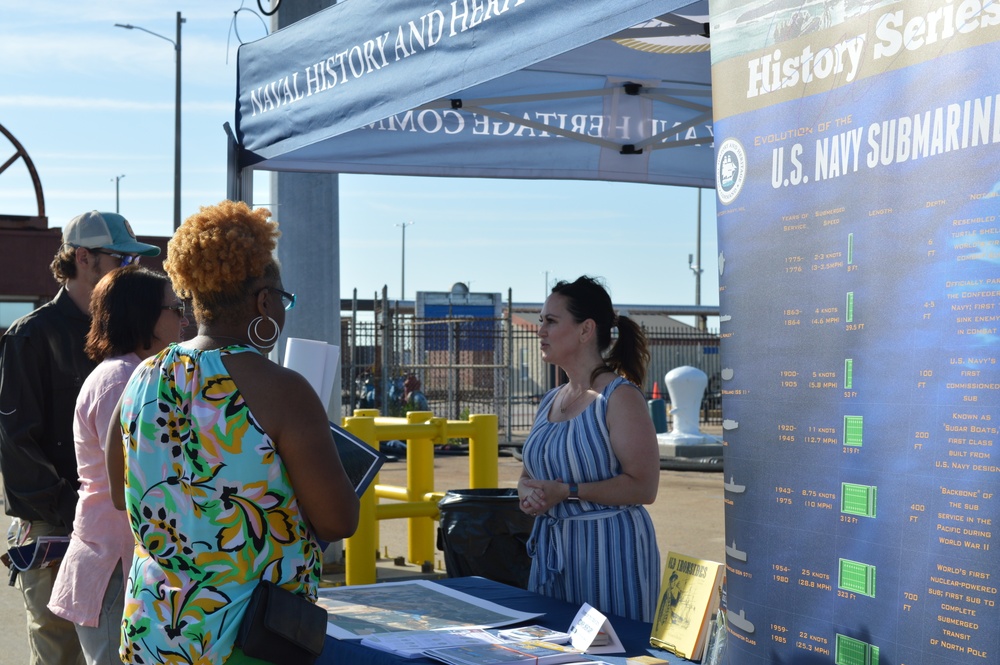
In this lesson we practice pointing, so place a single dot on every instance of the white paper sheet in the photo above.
(317, 361)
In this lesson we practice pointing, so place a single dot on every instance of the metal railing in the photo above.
(417, 502)
(485, 365)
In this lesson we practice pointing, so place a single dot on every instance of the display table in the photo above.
(557, 615)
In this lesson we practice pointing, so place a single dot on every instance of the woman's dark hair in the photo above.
(124, 309)
(586, 299)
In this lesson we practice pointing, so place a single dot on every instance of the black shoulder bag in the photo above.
(282, 627)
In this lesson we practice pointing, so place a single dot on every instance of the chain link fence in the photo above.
(481, 365)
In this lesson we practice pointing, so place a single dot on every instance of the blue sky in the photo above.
(89, 102)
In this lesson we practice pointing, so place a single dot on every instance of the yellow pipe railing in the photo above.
(417, 502)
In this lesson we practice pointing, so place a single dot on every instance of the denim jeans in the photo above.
(101, 643)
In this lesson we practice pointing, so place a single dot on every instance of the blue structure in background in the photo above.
(459, 303)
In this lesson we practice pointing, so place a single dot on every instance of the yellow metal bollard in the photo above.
(484, 451)
(417, 502)
(420, 481)
(361, 548)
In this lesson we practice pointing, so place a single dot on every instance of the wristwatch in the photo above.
(574, 492)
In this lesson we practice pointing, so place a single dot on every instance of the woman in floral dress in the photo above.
(231, 473)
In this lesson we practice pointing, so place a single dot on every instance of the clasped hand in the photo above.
(537, 496)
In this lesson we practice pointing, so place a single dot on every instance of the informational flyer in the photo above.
(857, 154)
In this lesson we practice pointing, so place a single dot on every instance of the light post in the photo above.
(696, 267)
(177, 111)
(402, 270)
(116, 179)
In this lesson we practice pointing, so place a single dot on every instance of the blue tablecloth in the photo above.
(557, 615)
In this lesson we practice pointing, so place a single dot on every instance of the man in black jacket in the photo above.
(42, 367)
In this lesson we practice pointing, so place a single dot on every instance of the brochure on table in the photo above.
(587, 625)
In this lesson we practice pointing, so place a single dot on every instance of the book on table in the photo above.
(535, 652)
(689, 596)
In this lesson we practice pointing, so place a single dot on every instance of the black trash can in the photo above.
(483, 532)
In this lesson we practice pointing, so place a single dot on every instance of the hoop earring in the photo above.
(253, 332)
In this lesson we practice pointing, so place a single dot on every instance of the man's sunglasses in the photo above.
(123, 259)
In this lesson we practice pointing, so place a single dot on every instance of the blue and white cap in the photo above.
(105, 230)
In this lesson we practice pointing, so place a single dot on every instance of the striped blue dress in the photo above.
(583, 551)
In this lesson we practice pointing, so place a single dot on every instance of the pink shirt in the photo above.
(101, 535)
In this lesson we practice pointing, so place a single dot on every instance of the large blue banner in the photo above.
(857, 163)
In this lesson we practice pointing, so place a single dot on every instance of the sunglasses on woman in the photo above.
(287, 299)
(178, 308)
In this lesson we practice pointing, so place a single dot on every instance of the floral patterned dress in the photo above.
(211, 508)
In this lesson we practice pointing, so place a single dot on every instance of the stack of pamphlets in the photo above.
(413, 643)
(507, 653)
(534, 632)
(475, 646)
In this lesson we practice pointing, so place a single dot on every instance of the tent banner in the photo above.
(858, 198)
(357, 63)
(545, 128)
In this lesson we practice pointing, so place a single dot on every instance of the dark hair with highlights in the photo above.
(124, 309)
(586, 298)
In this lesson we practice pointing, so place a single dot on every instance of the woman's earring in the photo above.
(252, 332)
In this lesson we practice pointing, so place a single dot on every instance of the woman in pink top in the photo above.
(134, 314)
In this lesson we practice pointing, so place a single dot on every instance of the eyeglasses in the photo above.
(180, 309)
(287, 299)
(123, 259)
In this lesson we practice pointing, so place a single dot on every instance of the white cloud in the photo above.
(109, 104)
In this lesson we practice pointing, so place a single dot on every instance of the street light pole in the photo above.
(116, 179)
(696, 267)
(402, 270)
(177, 110)
(177, 129)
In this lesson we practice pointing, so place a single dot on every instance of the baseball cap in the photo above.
(105, 230)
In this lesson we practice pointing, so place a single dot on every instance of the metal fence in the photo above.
(489, 366)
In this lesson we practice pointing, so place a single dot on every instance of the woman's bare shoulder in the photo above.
(282, 384)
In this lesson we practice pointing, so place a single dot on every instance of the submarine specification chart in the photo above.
(861, 386)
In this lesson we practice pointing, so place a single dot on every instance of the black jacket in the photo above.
(42, 368)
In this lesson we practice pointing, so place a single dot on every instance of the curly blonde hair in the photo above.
(218, 253)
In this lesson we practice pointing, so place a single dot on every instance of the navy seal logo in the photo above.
(730, 170)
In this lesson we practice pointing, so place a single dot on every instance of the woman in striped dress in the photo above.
(591, 460)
